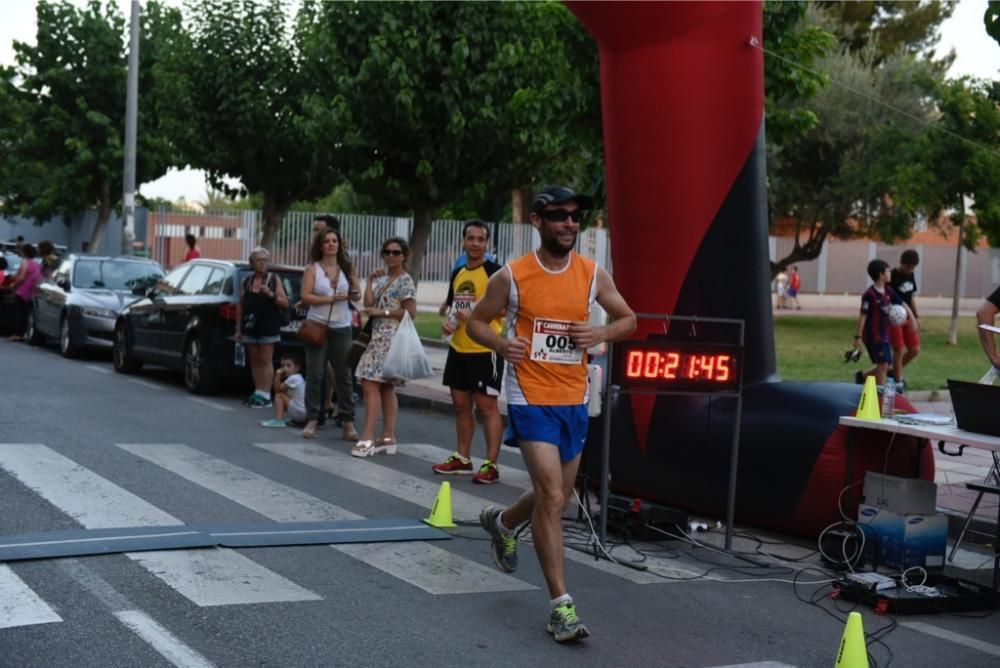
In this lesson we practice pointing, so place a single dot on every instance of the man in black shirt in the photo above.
(905, 338)
(985, 315)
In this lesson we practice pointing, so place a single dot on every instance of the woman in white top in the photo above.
(328, 283)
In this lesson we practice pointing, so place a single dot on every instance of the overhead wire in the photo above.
(871, 98)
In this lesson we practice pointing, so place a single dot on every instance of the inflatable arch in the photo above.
(683, 107)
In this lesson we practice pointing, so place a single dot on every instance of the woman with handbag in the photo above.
(328, 284)
(258, 323)
(389, 293)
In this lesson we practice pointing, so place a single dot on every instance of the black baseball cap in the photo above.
(559, 195)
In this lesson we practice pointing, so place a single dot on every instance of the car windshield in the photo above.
(13, 262)
(115, 274)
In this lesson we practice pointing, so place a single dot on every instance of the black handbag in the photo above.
(359, 346)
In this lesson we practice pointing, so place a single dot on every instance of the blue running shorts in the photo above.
(562, 426)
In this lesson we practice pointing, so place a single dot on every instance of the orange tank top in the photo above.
(541, 305)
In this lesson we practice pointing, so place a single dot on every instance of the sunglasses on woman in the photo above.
(391, 251)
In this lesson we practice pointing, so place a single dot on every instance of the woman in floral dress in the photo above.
(389, 293)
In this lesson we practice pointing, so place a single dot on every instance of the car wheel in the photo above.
(121, 352)
(31, 333)
(197, 377)
(66, 345)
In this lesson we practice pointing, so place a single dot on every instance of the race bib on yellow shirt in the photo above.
(464, 302)
(550, 342)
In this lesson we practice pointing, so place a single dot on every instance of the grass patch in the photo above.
(812, 348)
(428, 325)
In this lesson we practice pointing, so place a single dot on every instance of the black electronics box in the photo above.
(952, 595)
(643, 520)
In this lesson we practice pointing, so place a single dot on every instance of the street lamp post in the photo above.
(131, 119)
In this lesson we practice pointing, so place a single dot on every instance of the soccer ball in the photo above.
(897, 314)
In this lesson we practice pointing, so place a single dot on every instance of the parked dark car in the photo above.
(7, 308)
(80, 302)
(188, 319)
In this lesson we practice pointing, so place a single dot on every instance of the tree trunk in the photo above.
(273, 214)
(959, 270)
(422, 215)
(521, 204)
(103, 213)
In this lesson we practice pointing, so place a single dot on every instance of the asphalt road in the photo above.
(82, 446)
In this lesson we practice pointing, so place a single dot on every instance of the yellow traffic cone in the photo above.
(868, 406)
(441, 512)
(853, 651)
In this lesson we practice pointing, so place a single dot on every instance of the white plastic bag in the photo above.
(406, 359)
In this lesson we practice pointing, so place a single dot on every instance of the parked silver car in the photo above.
(79, 303)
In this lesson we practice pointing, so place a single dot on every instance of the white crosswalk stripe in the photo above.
(205, 577)
(427, 566)
(465, 506)
(19, 605)
(225, 577)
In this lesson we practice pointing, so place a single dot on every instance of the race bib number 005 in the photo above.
(550, 342)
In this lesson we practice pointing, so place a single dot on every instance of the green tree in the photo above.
(789, 80)
(957, 161)
(840, 180)
(991, 19)
(433, 99)
(237, 106)
(890, 26)
(67, 96)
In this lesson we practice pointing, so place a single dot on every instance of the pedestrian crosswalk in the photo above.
(216, 577)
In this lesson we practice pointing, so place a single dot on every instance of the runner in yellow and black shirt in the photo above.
(472, 371)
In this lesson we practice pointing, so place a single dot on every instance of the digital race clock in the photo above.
(683, 366)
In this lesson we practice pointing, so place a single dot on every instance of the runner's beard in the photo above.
(554, 246)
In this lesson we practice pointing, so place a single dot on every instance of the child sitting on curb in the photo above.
(289, 393)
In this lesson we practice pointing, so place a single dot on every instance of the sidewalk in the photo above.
(951, 473)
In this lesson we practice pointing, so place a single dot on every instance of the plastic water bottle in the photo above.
(453, 324)
(239, 354)
(889, 399)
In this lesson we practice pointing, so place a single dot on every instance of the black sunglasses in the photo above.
(559, 215)
(391, 251)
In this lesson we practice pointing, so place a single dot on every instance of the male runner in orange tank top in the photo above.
(547, 296)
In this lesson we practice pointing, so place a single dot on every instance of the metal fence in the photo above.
(231, 235)
(840, 267)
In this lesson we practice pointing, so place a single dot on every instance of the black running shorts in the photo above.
(474, 372)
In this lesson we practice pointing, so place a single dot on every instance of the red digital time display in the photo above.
(678, 365)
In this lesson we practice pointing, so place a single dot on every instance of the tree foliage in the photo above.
(841, 180)
(237, 107)
(991, 19)
(431, 101)
(889, 26)
(64, 111)
(789, 80)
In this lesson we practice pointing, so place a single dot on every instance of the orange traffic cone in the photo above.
(853, 651)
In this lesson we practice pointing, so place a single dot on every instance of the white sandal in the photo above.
(386, 446)
(363, 449)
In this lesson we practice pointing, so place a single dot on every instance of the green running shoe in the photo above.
(503, 546)
(564, 625)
